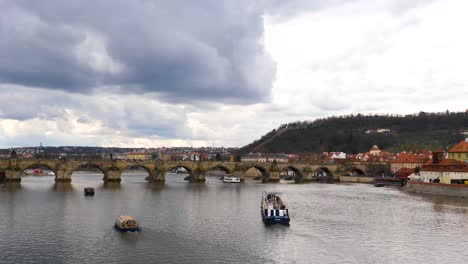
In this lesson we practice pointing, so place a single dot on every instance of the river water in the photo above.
(44, 222)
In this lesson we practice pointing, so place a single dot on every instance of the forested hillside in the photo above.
(357, 133)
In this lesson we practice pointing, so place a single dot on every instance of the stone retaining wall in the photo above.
(356, 179)
(453, 190)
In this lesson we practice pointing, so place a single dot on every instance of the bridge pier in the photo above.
(12, 176)
(273, 176)
(63, 176)
(197, 177)
(308, 176)
(156, 177)
(239, 174)
(113, 176)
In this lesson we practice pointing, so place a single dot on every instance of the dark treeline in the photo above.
(348, 133)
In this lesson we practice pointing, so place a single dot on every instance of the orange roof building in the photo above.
(446, 171)
(459, 151)
(408, 160)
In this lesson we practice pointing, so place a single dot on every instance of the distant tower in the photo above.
(13, 154)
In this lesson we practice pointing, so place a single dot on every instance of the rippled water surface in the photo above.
(44, 222)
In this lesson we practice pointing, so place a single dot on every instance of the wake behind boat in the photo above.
(273, 209)
(231, 179)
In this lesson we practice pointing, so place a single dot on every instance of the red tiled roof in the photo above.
(460, 147)
(446, 165)
(410, 158)
(404, 172)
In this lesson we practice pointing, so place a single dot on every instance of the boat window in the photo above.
(272, 213)
(277, 212)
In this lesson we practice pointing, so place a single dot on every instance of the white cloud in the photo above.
(339, 59)
(92, 51)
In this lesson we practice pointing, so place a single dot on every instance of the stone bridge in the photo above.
(13, 168)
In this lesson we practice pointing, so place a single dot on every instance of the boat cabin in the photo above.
(89, 191)
(127, 223)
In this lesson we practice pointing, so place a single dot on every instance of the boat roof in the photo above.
(275, 193)
(125, 217)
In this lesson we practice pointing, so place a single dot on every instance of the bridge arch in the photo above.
(38, 165)
(90, 166)
(187, 168)
(131, 166)
(354, 171)
(298, 174)
(129, 169)
(323, 174)
(30, 170)
(163, 171)
(221, 168)
(265, 174)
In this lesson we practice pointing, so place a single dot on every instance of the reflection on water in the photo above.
(111, 186)
(62, 187)
(443, 203)
(10, 186)
(220, 223)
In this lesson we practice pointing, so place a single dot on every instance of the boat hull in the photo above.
(231, 179)
(398, 182)
(88, 191)
(275, 220)
(128, 229)
(453, 190)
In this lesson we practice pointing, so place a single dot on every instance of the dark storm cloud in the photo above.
(206, 49)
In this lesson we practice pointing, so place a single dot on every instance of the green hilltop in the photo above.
(358, 133)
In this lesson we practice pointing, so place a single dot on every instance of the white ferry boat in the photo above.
(273, 209)
(231, 179)
(126, 223)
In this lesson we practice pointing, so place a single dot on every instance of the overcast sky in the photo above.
(153, 73)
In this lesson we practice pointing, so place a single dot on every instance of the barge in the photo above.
(125, 223)
(273, 209)
(389, 181)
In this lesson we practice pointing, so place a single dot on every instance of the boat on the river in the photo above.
(273, 209)
(88, 191)
(389, 181)
(125, 223)
(231, 179)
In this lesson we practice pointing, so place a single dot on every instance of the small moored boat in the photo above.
(231, 179)
(126, 223)
(89, 191)
(273, 209)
